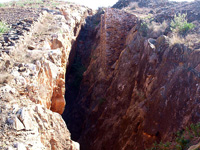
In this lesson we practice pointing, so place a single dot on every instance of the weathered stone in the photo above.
(20, 146)
(135, 92)
(32, 82)
(18, 124)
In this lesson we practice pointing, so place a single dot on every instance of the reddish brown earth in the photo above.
(136, 90)
(124, 90)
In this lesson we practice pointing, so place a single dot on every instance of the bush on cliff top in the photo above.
(180, 24)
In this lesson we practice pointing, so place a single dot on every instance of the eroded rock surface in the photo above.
(135, 91)
(32, 82)
(141, 92)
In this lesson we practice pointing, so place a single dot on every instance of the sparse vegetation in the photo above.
(180, 24)
(151, 28)
(144, 28)
(184, 139)
(2, 5)
(179, 27)
(53, 4)
(23, 3)
(3, 28)
(176, 39)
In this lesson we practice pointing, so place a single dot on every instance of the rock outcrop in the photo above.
(142, 3)
(137, 90)
(32, 82)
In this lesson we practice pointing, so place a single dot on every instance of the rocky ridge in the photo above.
(138, 90)
(32, 82)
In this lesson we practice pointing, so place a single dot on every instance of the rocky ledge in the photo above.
(32, 82)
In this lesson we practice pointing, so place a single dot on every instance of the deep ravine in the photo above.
(126, 90)
(74, 114)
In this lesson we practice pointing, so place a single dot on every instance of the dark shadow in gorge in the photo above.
(74, 114)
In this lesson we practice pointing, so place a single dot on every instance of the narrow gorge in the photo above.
(117, 78)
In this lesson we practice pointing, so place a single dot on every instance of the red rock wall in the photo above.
(115, 26)
(152, 91)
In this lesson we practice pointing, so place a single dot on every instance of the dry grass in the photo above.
(153, 29)
(191, 40)
(158, 27)
(176, 39)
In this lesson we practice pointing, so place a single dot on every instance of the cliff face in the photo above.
(32, 82)
(136, 90)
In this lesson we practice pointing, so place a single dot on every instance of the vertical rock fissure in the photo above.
(79, 59)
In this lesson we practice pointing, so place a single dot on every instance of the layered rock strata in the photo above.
(32, 82)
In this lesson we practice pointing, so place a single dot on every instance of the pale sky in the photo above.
(95, 3)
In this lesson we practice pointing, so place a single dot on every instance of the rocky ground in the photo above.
(132, 82)
(33, 59)
(20, 16)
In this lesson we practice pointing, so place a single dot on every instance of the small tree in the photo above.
(180, 24)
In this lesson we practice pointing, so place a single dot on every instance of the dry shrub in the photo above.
(152, 29)
(191, 40)
(156, 29)
(175, 38)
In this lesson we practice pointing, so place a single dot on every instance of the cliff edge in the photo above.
(33, 60)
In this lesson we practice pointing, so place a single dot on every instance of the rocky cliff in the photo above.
(129, 78)
(33, 59)
(137, 90)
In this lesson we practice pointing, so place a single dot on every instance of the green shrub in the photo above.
(144, 28)
(183, 141)
(180, 24)
(3, 27)
(2, 5)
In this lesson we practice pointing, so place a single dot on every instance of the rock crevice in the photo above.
(32, 85)
(136, 90)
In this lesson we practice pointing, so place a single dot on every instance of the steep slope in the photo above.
(32, 82)
(136, 90)
(83, 50)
